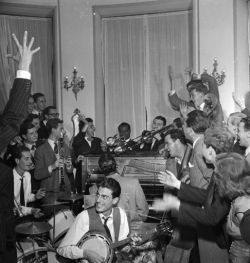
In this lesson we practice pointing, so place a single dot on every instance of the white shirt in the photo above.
(89, 142)
(28, 196)
(202, 106)
(247, 151)
(80, 227)
(36, 112)
(29, 146)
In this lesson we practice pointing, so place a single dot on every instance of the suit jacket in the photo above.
(44, 157)
(239, 149)
(42, 132)
(200, 174)
(217, 114)
(15, 112)
(213, 215)
(246, 111)
(147, 146)
(7, 220)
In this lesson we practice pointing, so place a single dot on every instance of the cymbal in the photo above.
(33, 228)
(70, 197)
(55, 203)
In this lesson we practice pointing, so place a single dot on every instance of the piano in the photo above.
(141, 165)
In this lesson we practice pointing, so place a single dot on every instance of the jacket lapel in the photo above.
(50, 150)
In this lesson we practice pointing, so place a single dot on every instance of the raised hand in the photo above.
(189, 71)
(172, 80)
(239, 100)
(168, 179)
(24, 54)
(184, 110)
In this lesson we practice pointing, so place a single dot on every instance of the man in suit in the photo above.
(124, 133)
(51, 166)
(203, 97)
(39, 103)
(13, 115)
(84, 143)
(49, 113)
(158, 139)
(208, 218)
(244, 136)
(194, 128)
(233, 122)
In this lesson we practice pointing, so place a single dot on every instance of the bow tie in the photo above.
(90, 139)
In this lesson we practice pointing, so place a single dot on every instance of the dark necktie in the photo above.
(22, 203)
(90, 139)
(33, 148)
(56, 148)
(106, 227)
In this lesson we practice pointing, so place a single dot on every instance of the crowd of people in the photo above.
(206, 178)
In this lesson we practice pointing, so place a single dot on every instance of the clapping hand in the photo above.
(169, 202)
(168, 179)
(239, 100)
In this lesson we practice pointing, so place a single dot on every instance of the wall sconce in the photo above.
(76, 84)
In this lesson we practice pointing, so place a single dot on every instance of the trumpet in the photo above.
(18, 208)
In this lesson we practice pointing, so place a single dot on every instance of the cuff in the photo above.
(26, 210)
(21, 74)
(50, 169)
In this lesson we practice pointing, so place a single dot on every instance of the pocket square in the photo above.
(190, 165)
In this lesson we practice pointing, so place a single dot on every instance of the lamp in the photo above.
(76, 84)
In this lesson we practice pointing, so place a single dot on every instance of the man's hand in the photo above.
(82, 118)
(57, 164)
(169, 179)
(79, 158)
(24, 54)
(92, 256)
(157, 136)
(136, 240)
(40, 193)
(169, 202)
(36, 212)
(189, 71)
(68, 164)
(184, 110)
(239, 100)
(18, 140)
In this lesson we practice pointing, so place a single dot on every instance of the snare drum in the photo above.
(40, 255)
(64, 219)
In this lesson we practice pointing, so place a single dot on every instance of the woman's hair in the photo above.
(219, 139)
(232, 175)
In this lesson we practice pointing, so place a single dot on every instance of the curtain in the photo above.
(137, 53)
(42, 62)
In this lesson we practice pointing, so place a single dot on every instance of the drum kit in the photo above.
(57, 226)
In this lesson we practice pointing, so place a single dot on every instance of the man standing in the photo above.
(13, 115)
(194, 128)
(39, 103)
(22, 182)
(52, 169)
(49, 113)
(244, 136)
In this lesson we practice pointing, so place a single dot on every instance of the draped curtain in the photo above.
(42, 62)
(137, 53)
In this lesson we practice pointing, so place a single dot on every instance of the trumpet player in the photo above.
(22, 182)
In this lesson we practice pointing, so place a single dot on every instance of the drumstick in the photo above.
(142, 215)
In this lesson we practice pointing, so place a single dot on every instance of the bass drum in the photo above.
(64, 219)
(41, 255)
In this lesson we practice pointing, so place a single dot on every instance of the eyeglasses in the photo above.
(54, 114)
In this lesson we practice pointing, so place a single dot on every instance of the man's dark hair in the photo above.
(246, 122)
(81, 123)
(177, 123)
(107, 163)
(199, 87)
(161, 118)
(37, 95)
(192, 82)
(31, 117)
(53, 123)
(176, 134)
(25, 127)
(197, 121)
(47, 110)
(124, 124)
(18, 151)
(113, 185)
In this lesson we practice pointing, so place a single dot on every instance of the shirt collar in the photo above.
(51, 143)
(202, 106)
(17, 175)
(127, 140)
(247, 151)
(195, 141)
(110, 216)
(29, 145)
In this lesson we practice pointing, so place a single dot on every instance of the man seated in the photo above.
(153, 143)
(22, 182)
(105, 219)
(39, 103)
(132, 199)
(49, 113)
